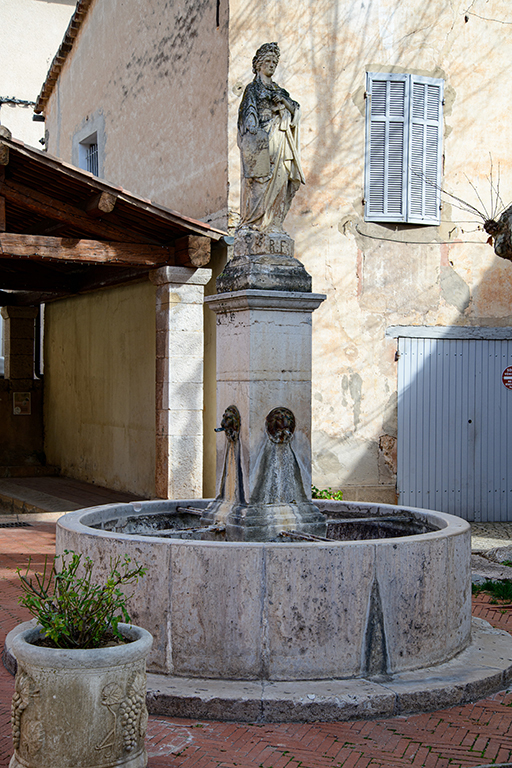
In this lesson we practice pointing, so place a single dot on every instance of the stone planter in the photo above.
(80, 708)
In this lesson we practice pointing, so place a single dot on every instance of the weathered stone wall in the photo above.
(377, 275)
(100, 387)
(152, 75)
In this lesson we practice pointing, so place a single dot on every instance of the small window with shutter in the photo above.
(403, 155)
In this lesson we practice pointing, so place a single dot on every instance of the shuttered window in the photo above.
(403, 159)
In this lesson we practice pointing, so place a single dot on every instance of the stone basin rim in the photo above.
(82, 520)
(292, 611)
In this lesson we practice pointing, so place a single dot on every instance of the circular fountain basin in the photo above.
(389, 592)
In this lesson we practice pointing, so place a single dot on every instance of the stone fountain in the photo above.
(265, 605)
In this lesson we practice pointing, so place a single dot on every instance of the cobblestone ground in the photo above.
(473, 735)
(490, 535)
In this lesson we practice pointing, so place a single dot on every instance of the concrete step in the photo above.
(54, 496)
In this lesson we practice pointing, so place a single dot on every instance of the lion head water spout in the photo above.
(278, 501)
(231, 489)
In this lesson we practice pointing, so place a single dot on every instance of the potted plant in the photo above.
(80, 687)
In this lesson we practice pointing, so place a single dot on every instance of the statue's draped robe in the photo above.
(271, 170)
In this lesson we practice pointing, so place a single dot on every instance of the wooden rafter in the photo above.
(39, 248)
(100, 204)
(29, 298)
(40, 277)
(43, 167)
(44, 205)
(64, 232)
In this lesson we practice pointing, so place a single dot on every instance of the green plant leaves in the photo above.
(326, 493)
(74, 611)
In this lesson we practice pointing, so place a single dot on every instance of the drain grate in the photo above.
(15, 525)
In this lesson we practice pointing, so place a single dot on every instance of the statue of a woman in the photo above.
(268, 137)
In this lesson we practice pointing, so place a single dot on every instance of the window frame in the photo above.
(90, 131)
(88, 159)
(397, 139)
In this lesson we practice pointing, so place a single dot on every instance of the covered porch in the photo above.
(103, 331)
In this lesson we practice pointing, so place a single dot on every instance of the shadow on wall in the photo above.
(447, 428)
(330, 45)
(326, 49)
(446, 432)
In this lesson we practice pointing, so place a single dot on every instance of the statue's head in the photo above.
(263, 51)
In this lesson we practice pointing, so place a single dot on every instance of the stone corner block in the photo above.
(188, 275)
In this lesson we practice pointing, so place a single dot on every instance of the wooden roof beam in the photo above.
(47, 206)
(39, 278)
(101, 204)
(30, 298)
(39, 248)
(95, 279)
(193, 250)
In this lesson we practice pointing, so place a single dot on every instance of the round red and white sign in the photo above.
(506, 377)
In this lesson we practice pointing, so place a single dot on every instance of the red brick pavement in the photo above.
(459, 737)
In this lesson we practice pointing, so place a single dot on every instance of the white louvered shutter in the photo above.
(424, 194)
(386, 136)
(403, 148)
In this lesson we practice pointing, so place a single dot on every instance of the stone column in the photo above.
(19, 337)
(179, 381)
(264, 363)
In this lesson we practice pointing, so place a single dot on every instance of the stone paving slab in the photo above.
(32, 502)
(482, 569)
(39, 495)
(486, 536)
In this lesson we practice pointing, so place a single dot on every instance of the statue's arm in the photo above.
(248, 113)
(283, 97)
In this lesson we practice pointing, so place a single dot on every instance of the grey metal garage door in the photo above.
(455, 426)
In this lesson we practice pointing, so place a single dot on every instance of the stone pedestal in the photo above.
(179, 381)
(264, 370)
(263, 261)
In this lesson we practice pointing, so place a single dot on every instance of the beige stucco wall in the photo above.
(374, 279)
(30, 33)
(100, 387)
(152, 75)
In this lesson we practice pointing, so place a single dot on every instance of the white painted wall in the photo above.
(30, 34)
(99, 407)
